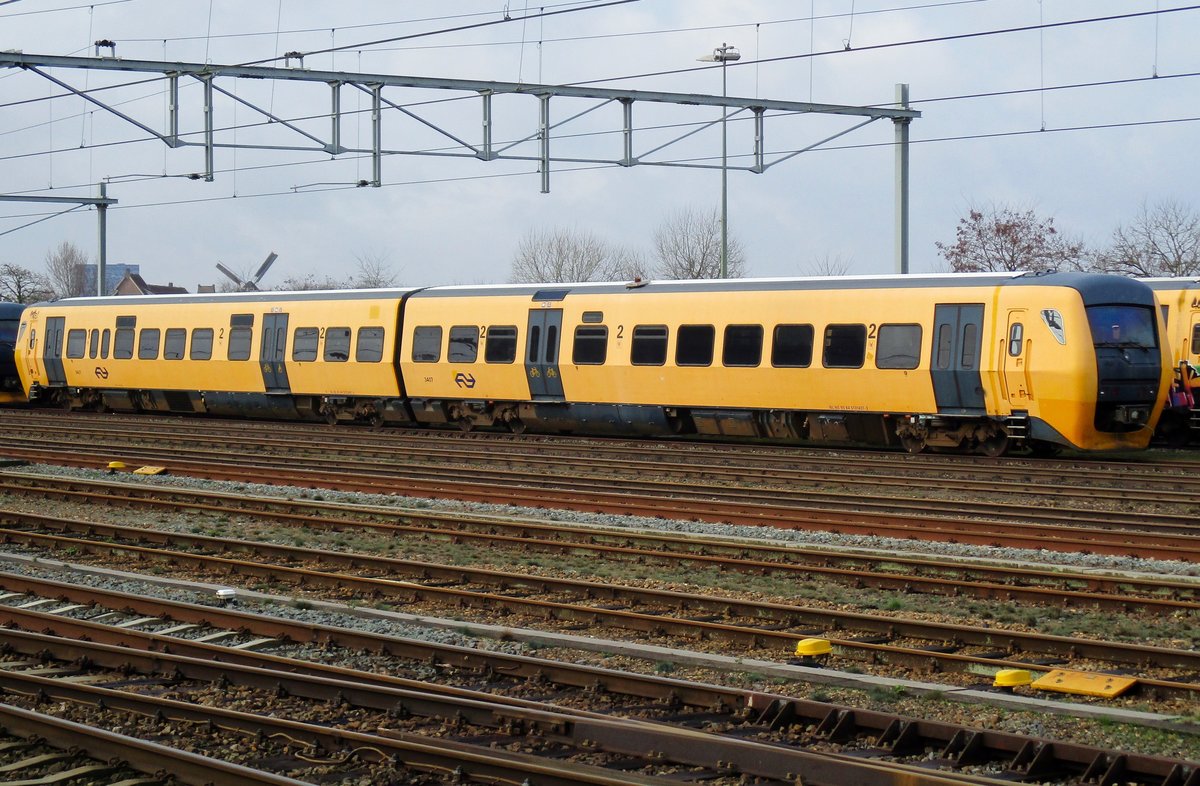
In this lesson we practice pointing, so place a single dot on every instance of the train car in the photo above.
(984, 363)
(1179, 300)
(11, 390)
(981, 363)
(295, 355)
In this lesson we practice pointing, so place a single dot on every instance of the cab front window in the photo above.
(1122, 326)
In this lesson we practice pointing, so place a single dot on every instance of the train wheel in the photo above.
(913, 444)
(331, 417)
(516, 426)
(995, 445)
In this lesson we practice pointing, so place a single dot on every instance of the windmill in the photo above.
(252, 284)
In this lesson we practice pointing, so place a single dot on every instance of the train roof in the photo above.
(1160, 284)
(1094, 287)
(11, 310)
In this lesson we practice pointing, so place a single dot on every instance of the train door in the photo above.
(272, 358)
(55, 374)
(958, 339)
(1015, 361)
(541, 357)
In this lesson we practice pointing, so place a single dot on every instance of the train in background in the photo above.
(984, 363)
(11, 389)
(1179, 301)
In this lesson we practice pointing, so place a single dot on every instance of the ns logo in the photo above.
(464, 380)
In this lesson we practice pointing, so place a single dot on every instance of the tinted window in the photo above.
(501, 346)
(1015, 333)
(743, 345)
(899, 346)
(792, 346)
(845, 346)
(369, 348)
(104, 339)
(239, 343)
(94, 344)
(1122, 326)
(123, 348)
(649, 345)
(945, 344)
(304, 343)
(970, 341)
(694, 346)
(464, 344)
(1196, 340)
(427, 345)
(337, 344)
(148, 343)
(76, 343)
(591, 346)
(535, 337)
(202, 340)
(551, 343)
(176, 342)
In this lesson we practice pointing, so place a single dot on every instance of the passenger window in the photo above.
(899, 346)
(743, 345)
(93, 344)
(694, 346)
(792, 346)
(202, 341)
(369, 348)
(464, 344)
(148, 343)
(945, 339)
(649, 345)
(304, 344)
(76, 343)
(1015, 335)
(845, 346)
(337, 344)
(500, 345)
(123, 343)
(535, 336)
(239, 343)
(427, 345)
(104, 339)
(970, 339)
(176, 342)
(591, 346)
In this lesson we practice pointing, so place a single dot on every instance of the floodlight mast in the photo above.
(724, 54)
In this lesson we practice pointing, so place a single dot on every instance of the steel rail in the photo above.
(144, 756)
(726, 754)
(1032, 536)
(660, 744)
(170, 453)
(784, 472)
(964, 746)
(1001, 644)
(1111, 592)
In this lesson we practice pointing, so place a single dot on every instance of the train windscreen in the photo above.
(1122, 326)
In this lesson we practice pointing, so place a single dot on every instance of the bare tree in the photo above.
(64, 266)
(625, 264)
(828, 265)
(560, 255)
(374, 271)
(688, 245)
(310, 282)
(1163, 240)
(1004, 238)
(21, 285)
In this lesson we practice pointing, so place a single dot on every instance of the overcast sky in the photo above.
(1089, 156)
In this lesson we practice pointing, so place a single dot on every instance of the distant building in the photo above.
(133, 284)
(113, 274)
(206, 289)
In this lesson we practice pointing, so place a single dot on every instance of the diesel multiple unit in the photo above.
(971, 363)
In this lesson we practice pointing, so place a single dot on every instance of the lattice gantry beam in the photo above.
(295, 135)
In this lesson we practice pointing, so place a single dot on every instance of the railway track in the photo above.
(757, 626)
(1152, 534)
(946, 576)
(694, 731)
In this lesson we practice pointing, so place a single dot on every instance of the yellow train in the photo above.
(1179, 300)
(982, 363)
